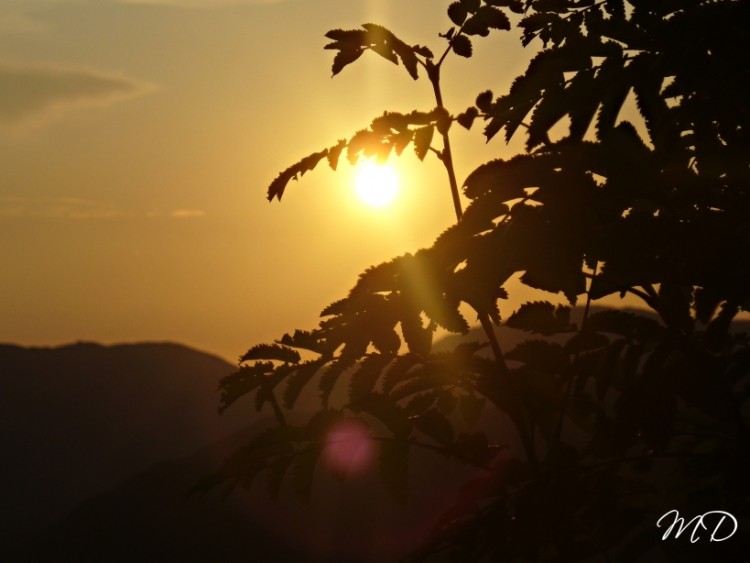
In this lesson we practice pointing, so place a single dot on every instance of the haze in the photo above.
(137, 141)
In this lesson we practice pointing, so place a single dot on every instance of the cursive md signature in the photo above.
(717, 520)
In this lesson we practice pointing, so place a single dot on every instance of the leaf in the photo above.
(541, 317)
(406, 53)
(434, 424)
(303, 472)
(418, 338)
(466, 119)
(394, 468)
(586, 340)
(364, 379)
(471, 5)
(276, 473)
(420, 403)
(277, 187)
(422, 140)
(271, 352)
(634, 328)
(400, 370)
(470, 405)
(457, 13)
(540, 355)
(386, 411)
(424, 51)
(476, 25)
(582, 103)
(331, 376)
(476, 448)
(493, 18)
(484, 101)
(334, 152)
(344, 58)
(447, 401)
(297, 381)
(461, 45)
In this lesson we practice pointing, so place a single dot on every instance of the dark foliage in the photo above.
(619, 417)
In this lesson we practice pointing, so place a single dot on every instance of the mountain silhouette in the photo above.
(77, 419)
(103, 444)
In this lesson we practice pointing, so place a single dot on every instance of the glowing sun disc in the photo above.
(376, 184)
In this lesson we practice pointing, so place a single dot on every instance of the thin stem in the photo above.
(274, 404)
(433, 73)
(569, 383)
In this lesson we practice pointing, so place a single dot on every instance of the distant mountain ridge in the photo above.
(75, 420)
(102, 444)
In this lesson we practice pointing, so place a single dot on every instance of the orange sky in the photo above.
(137, 139)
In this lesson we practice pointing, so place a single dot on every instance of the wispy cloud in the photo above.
(58, 207)
(14, 22)
(32, 94)
(81, 209)
(188, 213)
(204, 4)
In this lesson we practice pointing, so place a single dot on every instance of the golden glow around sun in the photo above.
(376, 184)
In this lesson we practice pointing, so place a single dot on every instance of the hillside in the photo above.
(76, 420)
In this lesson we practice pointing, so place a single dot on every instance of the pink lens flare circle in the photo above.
(349, 448)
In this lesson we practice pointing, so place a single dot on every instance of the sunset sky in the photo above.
(137, 140)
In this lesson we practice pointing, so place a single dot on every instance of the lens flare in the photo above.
(348, 448)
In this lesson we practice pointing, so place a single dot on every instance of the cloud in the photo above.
(199, 3)
(14, 22)
(58, 207)
(188, 213)
(32, 94)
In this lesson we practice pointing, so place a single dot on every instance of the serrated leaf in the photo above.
(275, 476)
(271, 352)
(476, 25)
(364, 379)
(400, 370)
(586, 340)
(434, 424)
(461, 45)
(334, 153)
(346, 36)
(394, 468)
(345, 57)
(475, 447)
(418, 338)
(336, 308)
(422, 140)
(470, 406)
(457, 13)
(541, 317)
(484, 101)
(331, 376)
(420, 403)
(386, 410)
(493, 17)
(303, 472)
(408, 58)
(628, 325)
(424, 51)
(297, 381)
(447, 401)
(277, 187)
(540, 355)
(471, 5)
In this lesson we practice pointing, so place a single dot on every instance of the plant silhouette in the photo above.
(619, 416)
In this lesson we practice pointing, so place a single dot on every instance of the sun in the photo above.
(376, 184)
